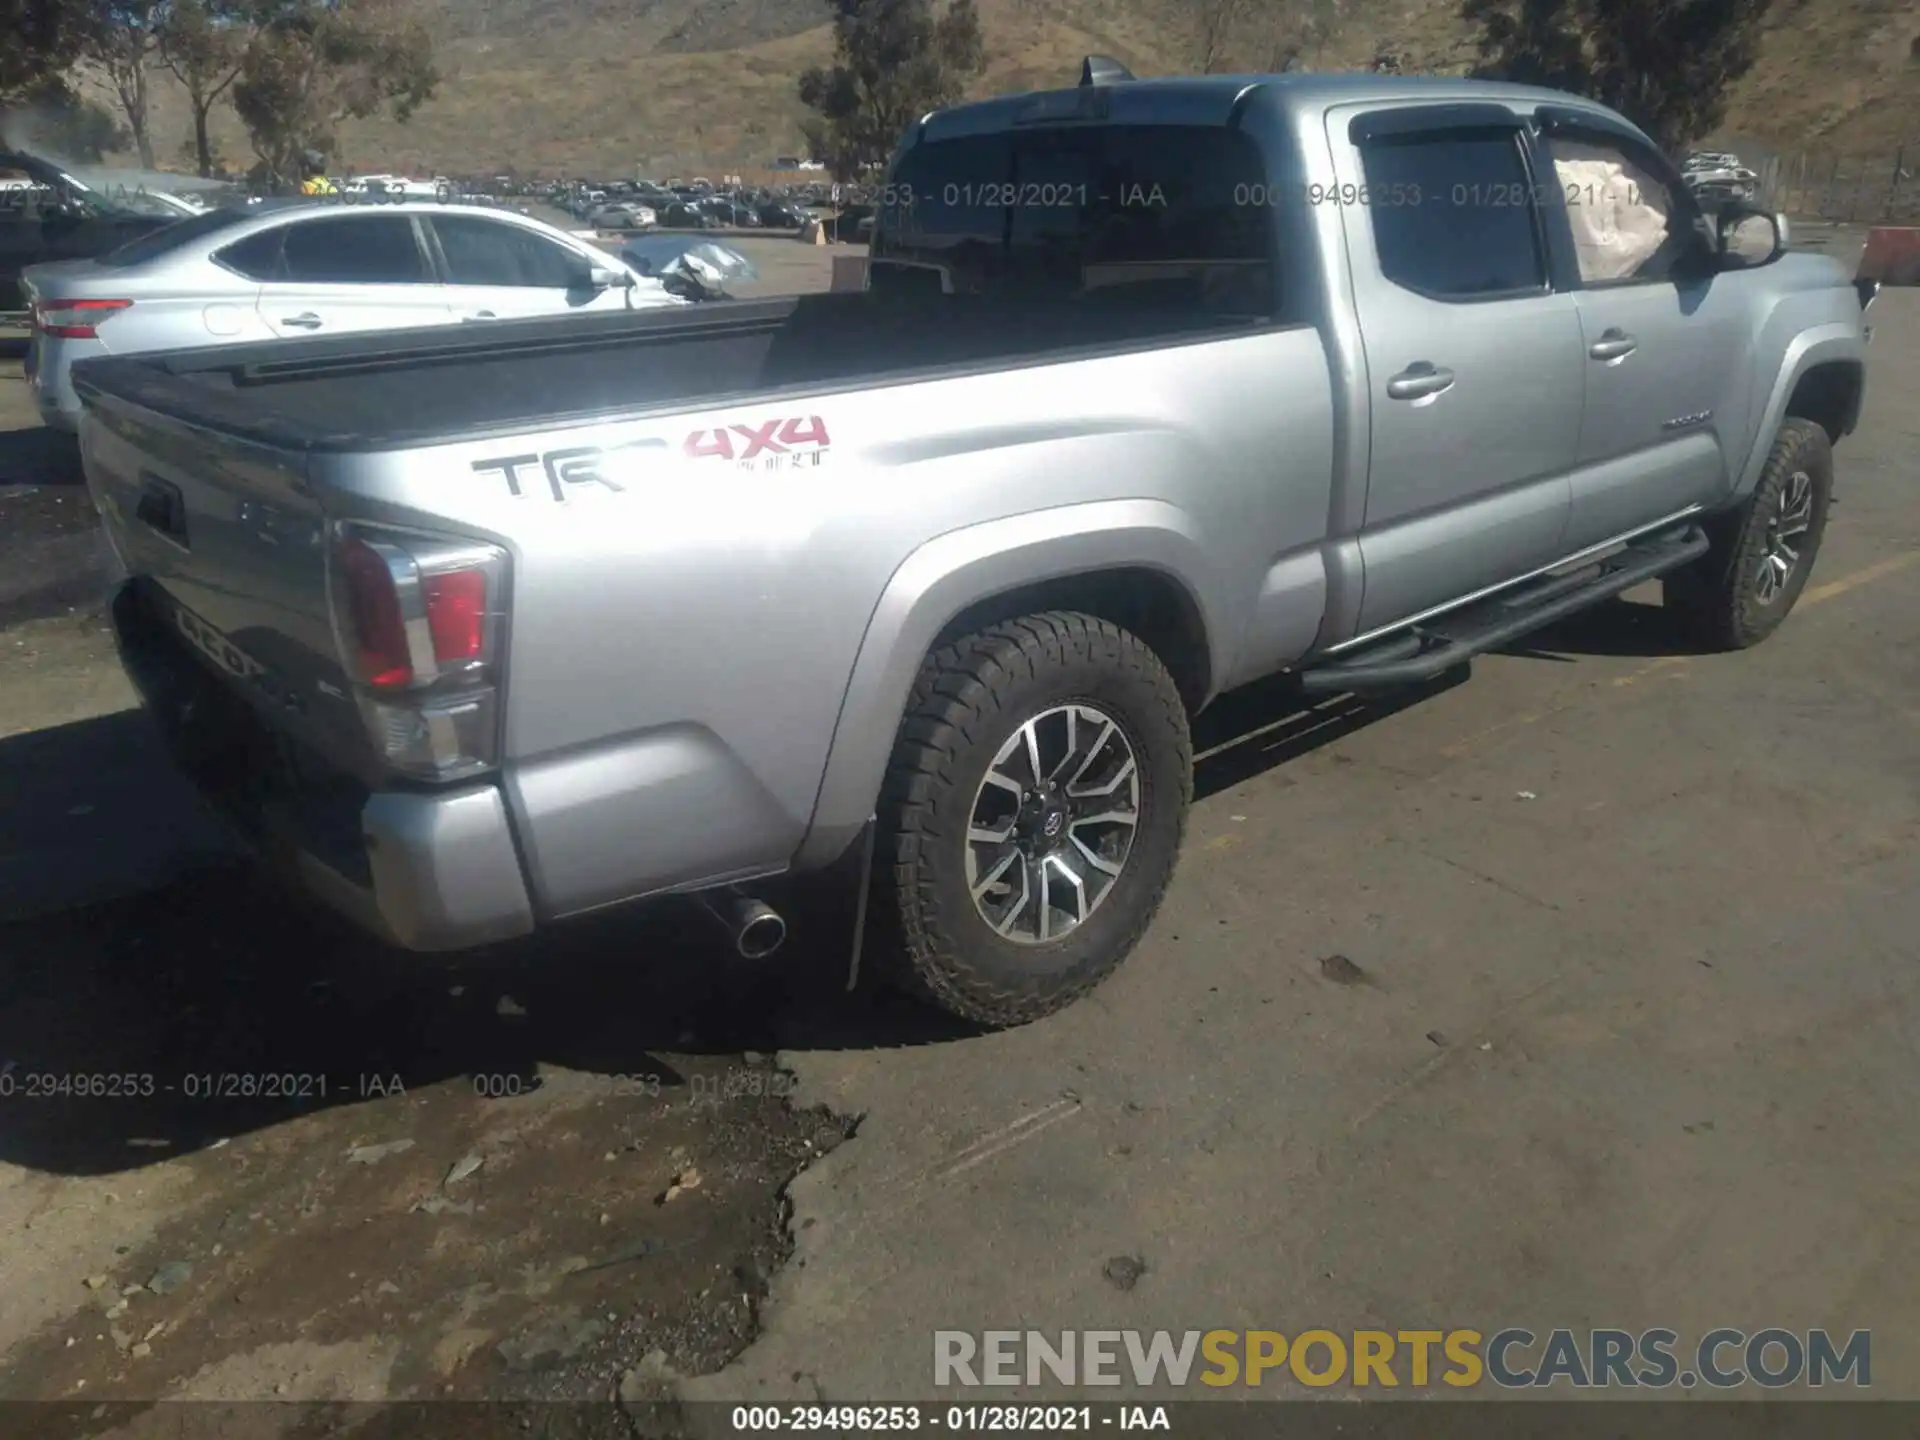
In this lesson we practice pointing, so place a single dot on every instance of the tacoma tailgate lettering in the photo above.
(234, 661)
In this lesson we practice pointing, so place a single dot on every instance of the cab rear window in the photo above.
(1105, 216)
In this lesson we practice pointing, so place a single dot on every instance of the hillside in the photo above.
(570, 86)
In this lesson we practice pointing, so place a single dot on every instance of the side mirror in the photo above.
(1748, 237)
(602, 277)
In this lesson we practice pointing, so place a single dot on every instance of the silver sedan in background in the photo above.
(305, 267)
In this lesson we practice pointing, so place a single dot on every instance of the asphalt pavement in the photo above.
(1582, 994)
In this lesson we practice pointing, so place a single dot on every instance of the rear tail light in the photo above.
(420, 621)
(75, 319)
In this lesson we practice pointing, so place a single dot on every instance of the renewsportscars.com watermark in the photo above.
(1510, 1359)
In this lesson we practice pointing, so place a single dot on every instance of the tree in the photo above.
(38, 39)
(204, 43)
(120, 40)
(1664, 64)
(315, 63)
(894, 60)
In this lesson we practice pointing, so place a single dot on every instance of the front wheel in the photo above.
(1737, 593)
(1031, 816)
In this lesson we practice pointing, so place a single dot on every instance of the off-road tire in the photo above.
(968, 698)
(1717, 597)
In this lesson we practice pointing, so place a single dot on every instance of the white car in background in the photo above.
(286, 268)
(397, 189)
(624, 215)
(1717, 175)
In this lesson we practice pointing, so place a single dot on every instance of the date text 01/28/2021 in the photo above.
(1032, 1419)
(1019, 195)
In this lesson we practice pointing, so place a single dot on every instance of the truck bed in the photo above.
(422, 387)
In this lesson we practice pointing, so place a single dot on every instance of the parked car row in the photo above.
(680, 205)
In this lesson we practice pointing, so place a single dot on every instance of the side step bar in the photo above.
(1426, 651)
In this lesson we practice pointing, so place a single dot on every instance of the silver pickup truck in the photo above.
(1156, 388)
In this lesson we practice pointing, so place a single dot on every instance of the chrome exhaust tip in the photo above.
(755, 927)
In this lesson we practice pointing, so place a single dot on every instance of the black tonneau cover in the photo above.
(406, 388)
(400, 388)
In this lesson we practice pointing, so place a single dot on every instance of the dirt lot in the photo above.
(245, 1154)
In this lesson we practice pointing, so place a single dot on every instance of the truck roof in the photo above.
(1210, 99)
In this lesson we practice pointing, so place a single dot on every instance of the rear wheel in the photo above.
(1032, 814)
(1739, 591)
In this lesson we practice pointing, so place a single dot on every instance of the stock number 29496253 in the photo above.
(1373, 196)
(69, 1085)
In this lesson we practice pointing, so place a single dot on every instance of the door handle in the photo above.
(480, 315)
(305, 320)
(1612, 345)
(1419, 381)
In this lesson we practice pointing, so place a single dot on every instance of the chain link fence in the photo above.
(1843, 189)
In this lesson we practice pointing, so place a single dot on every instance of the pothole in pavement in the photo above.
(594, 1233)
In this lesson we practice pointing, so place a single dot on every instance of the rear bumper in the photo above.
(424, 870)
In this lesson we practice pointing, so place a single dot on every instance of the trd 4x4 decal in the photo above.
(785, 443)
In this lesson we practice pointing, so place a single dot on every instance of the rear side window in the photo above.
(257, 257)
(491, 252)
(1461, 222)
(1107, 217)
(353, 250)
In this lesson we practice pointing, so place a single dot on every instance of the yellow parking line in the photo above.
(1859, 578)
(1665, 662)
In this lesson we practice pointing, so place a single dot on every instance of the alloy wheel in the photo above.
(1786, 534)
(1052, 824)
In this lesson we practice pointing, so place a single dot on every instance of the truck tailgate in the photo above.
(231, 548)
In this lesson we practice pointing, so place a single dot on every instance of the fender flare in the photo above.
(1819, 345)
(960, 569)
